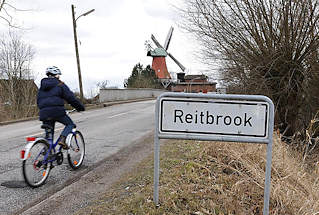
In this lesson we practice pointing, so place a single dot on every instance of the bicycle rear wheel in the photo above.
(35, 171)
(76, 151)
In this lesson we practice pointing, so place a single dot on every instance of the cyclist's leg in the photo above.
(51, 123)
(69, 125)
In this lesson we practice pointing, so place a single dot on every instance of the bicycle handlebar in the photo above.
(71, 111)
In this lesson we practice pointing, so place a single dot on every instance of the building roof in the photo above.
(195, 83)
(19, 82)
(21, 88)
(198, 77)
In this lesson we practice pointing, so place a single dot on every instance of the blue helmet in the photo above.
(53, 70)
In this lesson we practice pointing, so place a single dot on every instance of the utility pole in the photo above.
(77, 49)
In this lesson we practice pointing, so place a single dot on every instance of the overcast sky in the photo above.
(111, 38)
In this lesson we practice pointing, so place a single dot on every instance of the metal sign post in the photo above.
(214, 117)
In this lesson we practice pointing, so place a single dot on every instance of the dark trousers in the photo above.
(65, 120)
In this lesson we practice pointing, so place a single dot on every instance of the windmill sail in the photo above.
(177, 62)
(156, 42)
(168, 38)
(164, 49)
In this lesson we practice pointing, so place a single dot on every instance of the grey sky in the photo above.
(112, 38)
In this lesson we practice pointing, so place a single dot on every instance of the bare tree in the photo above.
(264, 47)
(6, 13)
(102, 84)
(18, 91)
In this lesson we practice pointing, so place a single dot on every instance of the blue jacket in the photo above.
(51, 96)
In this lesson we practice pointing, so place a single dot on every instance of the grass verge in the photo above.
(214, 178)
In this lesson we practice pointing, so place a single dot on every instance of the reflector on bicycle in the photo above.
(29, 139)
(22, 153)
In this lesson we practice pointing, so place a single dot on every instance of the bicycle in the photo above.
(40, 153)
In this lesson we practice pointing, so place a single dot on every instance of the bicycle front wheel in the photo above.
(35, 169)
(76, 151)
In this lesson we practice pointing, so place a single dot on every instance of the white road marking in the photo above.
(120, 114)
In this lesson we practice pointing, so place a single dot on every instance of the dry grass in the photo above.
(9, 114)
(215, 178)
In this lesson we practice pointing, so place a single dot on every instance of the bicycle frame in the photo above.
(51, 149)
(52, 146)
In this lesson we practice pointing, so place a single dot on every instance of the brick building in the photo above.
(193, 84)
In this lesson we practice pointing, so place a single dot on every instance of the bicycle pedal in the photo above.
(59, 158)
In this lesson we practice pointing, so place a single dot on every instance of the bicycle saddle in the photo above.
(46, 126)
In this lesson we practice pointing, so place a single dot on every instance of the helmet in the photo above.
(53, 70)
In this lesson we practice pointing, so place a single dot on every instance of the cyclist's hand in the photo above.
(80, 109)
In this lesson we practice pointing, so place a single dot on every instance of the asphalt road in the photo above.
(106, 131)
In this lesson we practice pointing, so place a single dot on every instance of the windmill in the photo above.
(159, 63)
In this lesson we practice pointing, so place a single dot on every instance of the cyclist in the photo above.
(50, 101)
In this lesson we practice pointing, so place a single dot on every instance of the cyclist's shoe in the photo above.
(62, 143)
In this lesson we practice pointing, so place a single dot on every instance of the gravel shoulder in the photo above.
(91, 185)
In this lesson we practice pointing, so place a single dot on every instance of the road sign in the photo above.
(213, 117)
(216, 117)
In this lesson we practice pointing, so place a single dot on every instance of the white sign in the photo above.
(214, 117)
(218, 117)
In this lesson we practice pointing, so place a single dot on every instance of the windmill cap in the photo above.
(158, 52)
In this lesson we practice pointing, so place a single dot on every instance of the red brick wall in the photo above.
(195, 88)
